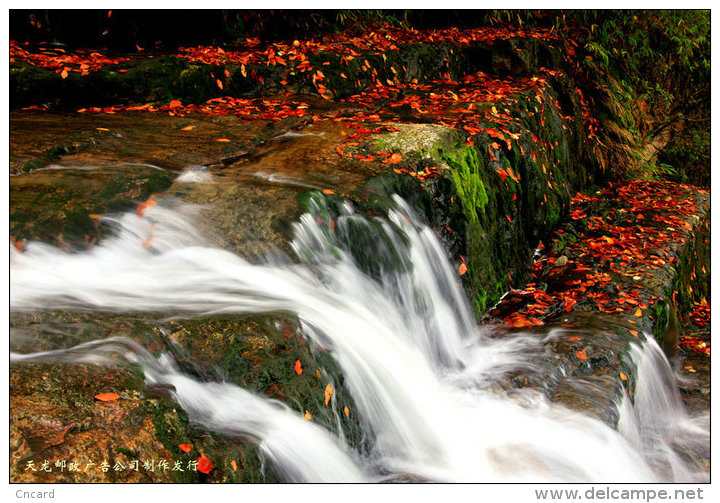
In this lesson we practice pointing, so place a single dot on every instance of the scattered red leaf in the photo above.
(107, 397)
(328, 393)
(204, 465)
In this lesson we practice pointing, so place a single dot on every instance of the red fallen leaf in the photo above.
(307, 415)
(204, 464)
(633, 332)
(234, 465)
(518, 321)
(227, 73)
(581, 355)
(623, 376)
(185, 447)
(328, 191)
(107, 397)
(569, 303)
(298, 367)
(188, 128)
(638, 313)
(222, 140)
(574, 338)
(219, 83)
(328, 393)
(175, 103)
(64, 74)
(462, 269)
(393, 159)
(145, 205)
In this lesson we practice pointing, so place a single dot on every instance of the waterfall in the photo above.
(396, 321)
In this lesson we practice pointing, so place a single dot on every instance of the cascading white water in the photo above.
(402, 336)
(658, 422)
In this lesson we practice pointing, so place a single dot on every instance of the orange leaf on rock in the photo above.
(623, 376)
(188, 128)
(234, 465)
(222, 140)
(219, 83)
(328, 393)
(394, 159)
(462, 269)
(638, 313)
(581, 355)
(328, 191)
(298, 367)
(518, 321)
(107, 397)
(185, 447)
(633, 332)
(347, 412)
(307, 416)
(64, 74)
(204, 464)
(175, 103)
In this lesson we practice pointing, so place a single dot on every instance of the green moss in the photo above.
(661, 319)
(553, 210)
(464, 166)
(480, 301)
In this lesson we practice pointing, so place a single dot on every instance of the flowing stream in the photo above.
(401, 331)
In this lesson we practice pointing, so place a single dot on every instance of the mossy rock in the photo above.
(59, 205)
